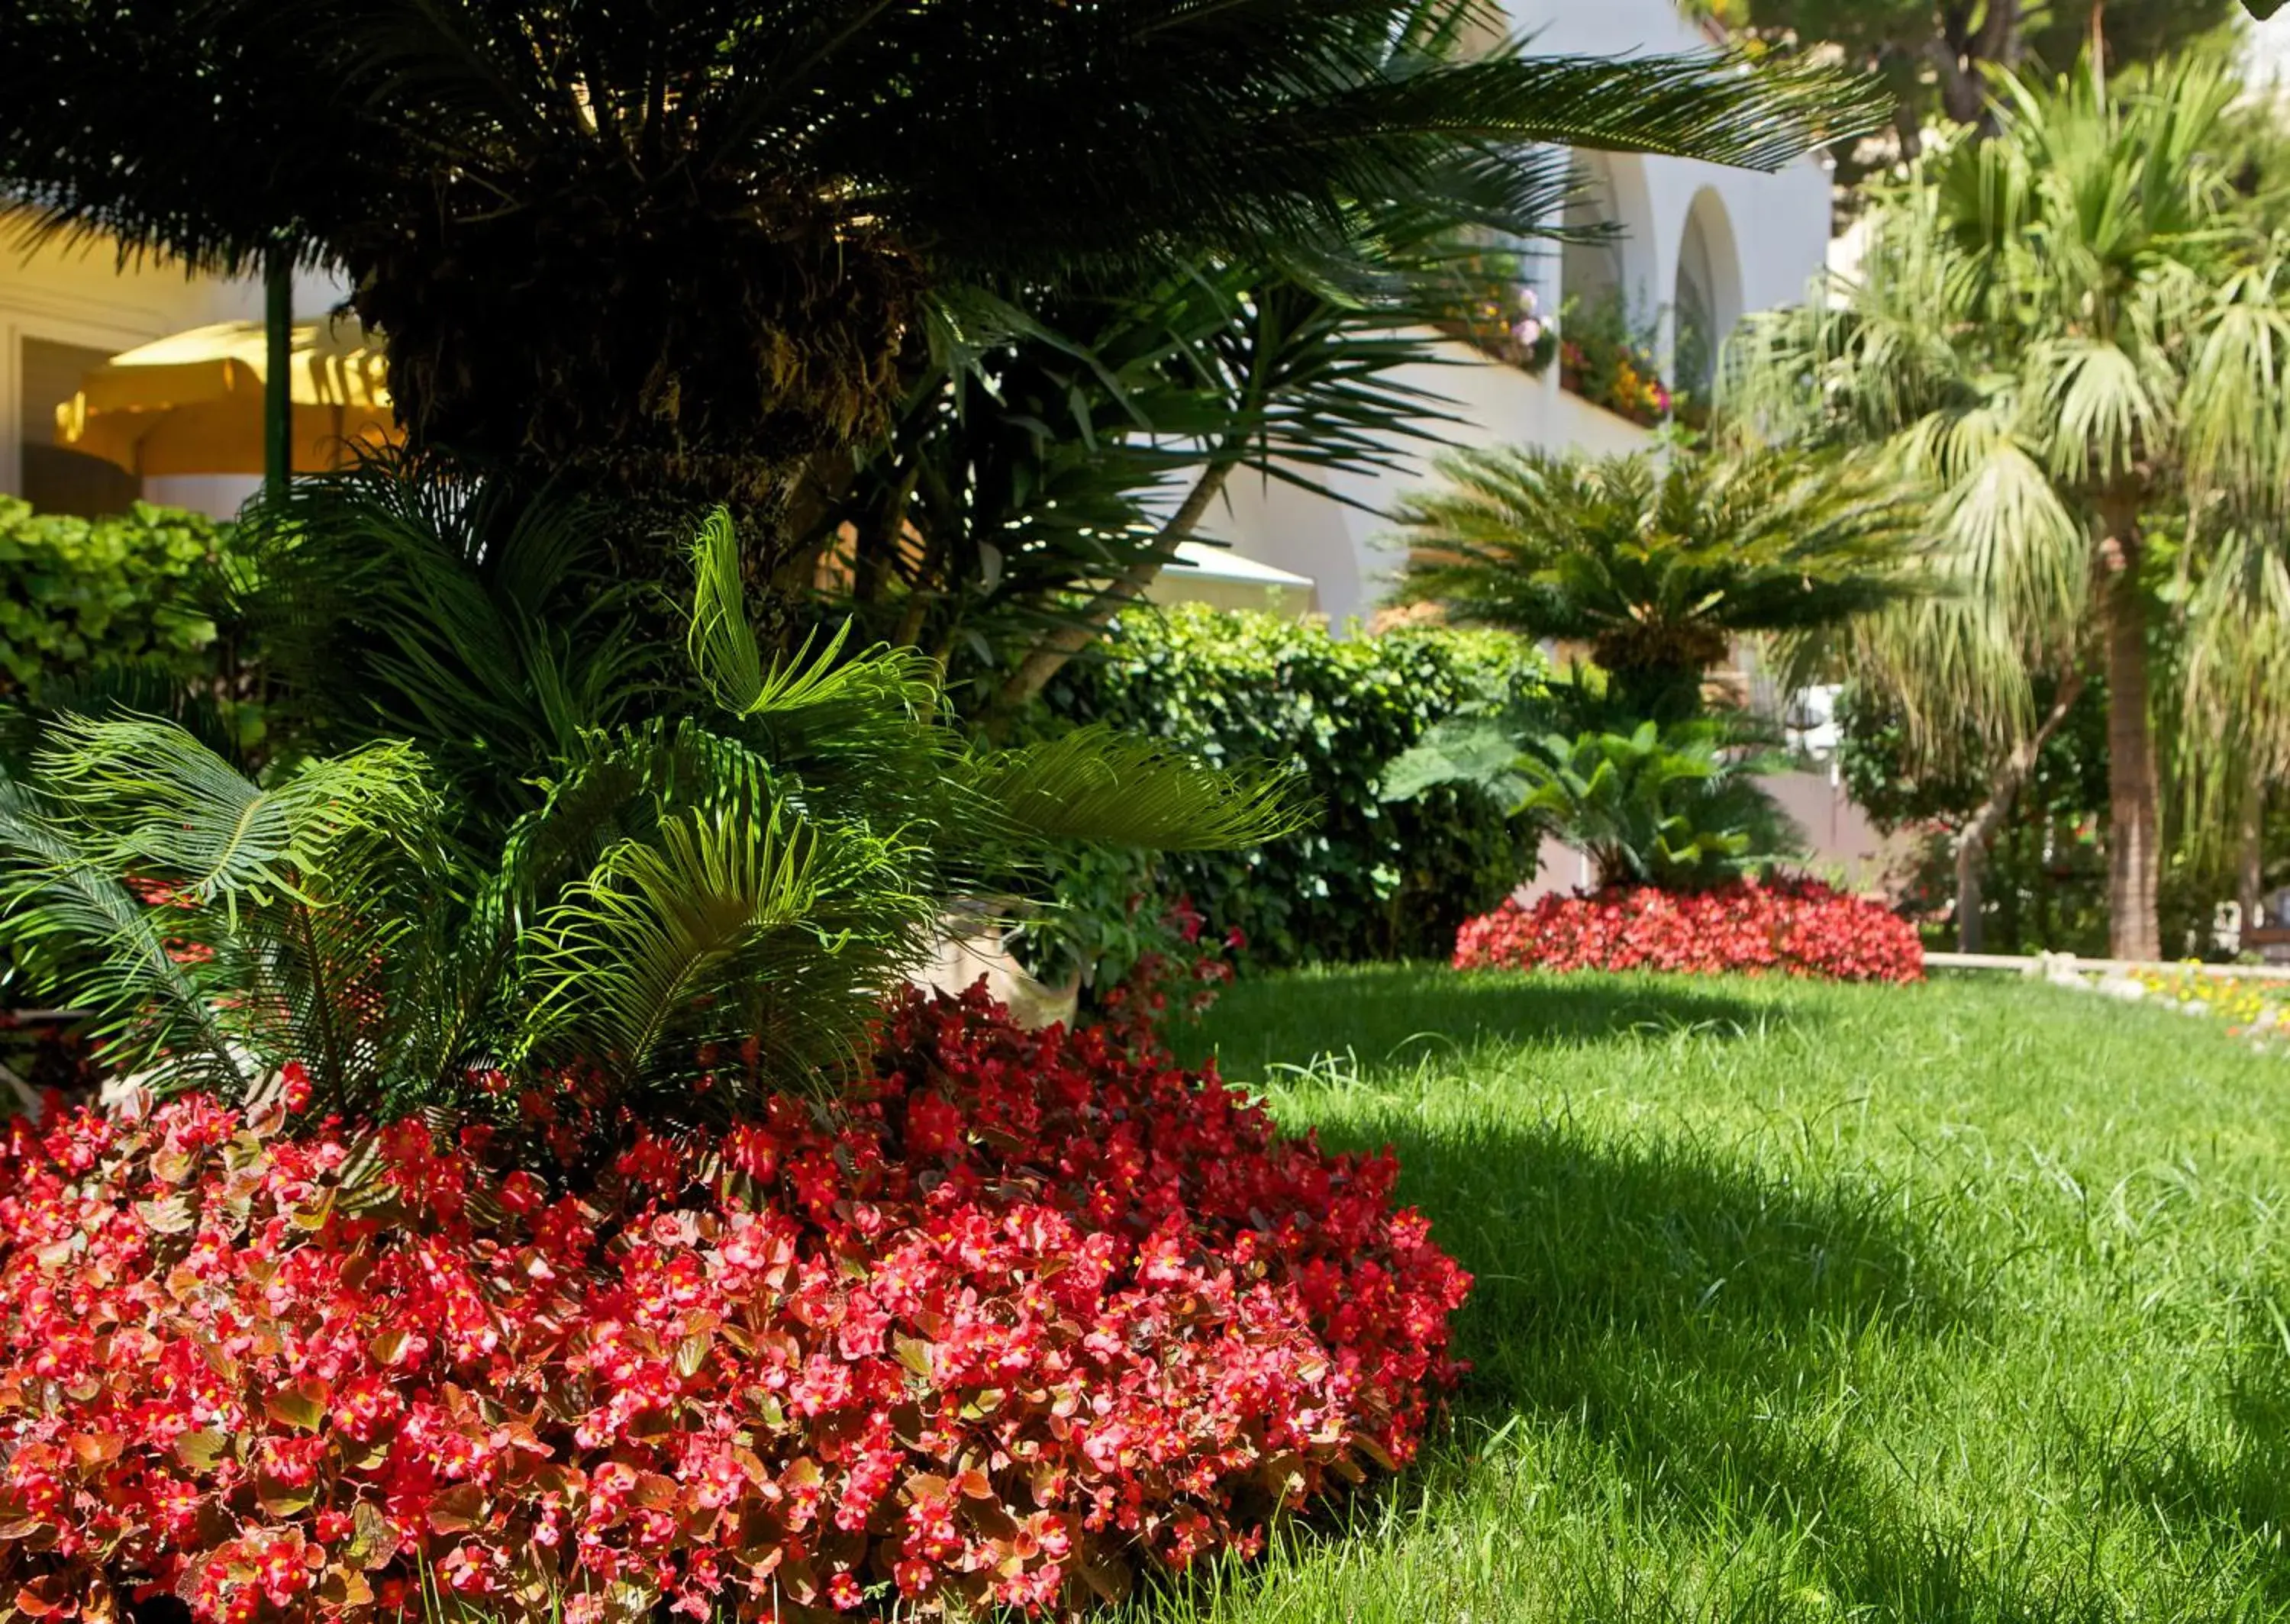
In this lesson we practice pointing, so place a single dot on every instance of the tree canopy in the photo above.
(2072, 330)
(672, 250)
(1935, 55)
(1656, 569)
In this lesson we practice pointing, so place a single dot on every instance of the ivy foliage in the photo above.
(1368, 880)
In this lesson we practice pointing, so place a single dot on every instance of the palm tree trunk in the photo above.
(1980, 833)
(1959, 49)
(2250, 857)
(1971, 865)
(1048, 656)
(2134, 856)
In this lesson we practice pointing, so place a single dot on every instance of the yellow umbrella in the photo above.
(192, 402)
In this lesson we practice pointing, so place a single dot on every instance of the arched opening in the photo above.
(1707, 302)
(1595, 270)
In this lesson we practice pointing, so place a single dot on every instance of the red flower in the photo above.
(1031, 1302)
(1793, 926)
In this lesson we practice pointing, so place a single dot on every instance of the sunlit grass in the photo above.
(1961, 1302)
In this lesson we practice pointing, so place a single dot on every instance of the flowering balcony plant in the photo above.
(1494, 308)
(1608, 360)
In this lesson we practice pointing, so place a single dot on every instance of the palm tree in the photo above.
(1034, 484)
(673, 252)
(1981, 694)
(2234, 714)
(2064, 329)
(1659, 569)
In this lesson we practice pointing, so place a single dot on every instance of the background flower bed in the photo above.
(1796, 927)
(1368, 880)
(1029, 1308)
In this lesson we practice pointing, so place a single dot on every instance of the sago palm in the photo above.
(688, 911)
(2064, 330)
(1673, 806)
(675, 249)
(1658, 569)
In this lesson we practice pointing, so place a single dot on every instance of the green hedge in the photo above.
(121, 608)
(1368, 881)
(132, 588)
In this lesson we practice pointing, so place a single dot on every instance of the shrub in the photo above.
(758, 873)
(138, 587)
(1030, 1307)
(1796, 927)
(1366, 881)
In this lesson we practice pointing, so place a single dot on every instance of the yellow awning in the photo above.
(192, 402)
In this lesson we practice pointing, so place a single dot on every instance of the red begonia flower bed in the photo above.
(1032, 1311)
(1787, 927)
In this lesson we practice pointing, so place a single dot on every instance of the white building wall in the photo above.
(79, 293)
(1767, 238)
(1342, 545)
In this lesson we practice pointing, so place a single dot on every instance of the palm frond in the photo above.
(635, 946)
(396, 601)
(151, 799)
(2103, 411)
(2235, 423)
(97, 946)
(894, 684)
(1101, 785)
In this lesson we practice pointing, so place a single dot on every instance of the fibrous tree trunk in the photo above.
(2250, 855)
(667, 349)
(1980, 833)
(1969, 36)
(2135, 852)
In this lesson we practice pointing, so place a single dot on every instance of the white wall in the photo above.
(80, 294)
(1767, 238)
(1340, 544)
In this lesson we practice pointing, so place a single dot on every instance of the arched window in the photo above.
(1707, 302)
(1595, 271)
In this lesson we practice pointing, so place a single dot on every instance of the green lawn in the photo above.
(1964, 1301)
